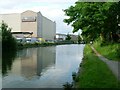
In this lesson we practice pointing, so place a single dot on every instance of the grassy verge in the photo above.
(110, 51)
(95, 73)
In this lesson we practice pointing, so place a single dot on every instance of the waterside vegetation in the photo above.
(36, 44)
(108, 50)
(94, 73)
(8, 41)
(100, 24)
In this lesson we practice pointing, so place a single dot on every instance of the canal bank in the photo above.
(94, 73)
(113, 65)
(44, 44)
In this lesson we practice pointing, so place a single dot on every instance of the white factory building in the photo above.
(30, 24)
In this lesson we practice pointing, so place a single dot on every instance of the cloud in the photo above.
(13, 3)
(51, 9)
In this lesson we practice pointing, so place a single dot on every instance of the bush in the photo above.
(108, 50)
(74, 74)
(68, 86)
(118, 51)
(8, 41)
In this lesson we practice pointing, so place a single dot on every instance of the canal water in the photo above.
(42, 67)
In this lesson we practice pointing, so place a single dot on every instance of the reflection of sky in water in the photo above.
(44, 67)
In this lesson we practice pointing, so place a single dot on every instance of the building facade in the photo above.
(62, 37)
(30, 22)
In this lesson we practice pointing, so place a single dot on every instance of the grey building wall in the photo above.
(39, 24)
(48, 29)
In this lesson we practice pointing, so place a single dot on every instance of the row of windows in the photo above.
(28, 19)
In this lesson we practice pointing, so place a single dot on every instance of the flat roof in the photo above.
(22, 32)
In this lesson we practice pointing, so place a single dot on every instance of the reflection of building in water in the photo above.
(46, 58)
(33, 61)
(29, 63)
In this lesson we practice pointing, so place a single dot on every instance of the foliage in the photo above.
(68, 86)
(74, 74)
(110, 51)
(95, 19)
(79, 39)
(68, 37)
(8, 41)
(0, 35)
(95, 73)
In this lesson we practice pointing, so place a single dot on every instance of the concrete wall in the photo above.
(48, 29)
(29, 26)
(13, 21)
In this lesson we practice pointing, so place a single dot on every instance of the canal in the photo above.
(42, 67)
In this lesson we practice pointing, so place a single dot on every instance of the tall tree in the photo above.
(94, 18)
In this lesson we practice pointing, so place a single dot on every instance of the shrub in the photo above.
(8, 41)
(68, 86)
(118, 51)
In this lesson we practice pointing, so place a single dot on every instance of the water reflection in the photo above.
(7, 61)
(44, 67)
(45, 58)
(33, 61)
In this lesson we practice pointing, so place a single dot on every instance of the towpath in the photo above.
(113, 65)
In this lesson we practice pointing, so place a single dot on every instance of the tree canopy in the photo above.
(96, 19)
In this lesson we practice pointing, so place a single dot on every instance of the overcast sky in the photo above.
(51, 9)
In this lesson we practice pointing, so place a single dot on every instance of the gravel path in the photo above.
(113, 65)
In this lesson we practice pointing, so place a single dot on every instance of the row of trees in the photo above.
(96, 19)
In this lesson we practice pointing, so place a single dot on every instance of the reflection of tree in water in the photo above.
(7, 60)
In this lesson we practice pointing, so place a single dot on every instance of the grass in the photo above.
(110, 51)
(95, 73)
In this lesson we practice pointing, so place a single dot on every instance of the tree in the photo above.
(79, 39)
(68, 37)
(8, 41)
(96, 19)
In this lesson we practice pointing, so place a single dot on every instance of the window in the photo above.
(28, 19)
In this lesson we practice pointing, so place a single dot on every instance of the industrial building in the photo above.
(62, 37)
(30, 24)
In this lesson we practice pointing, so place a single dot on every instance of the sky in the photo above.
(52, 9)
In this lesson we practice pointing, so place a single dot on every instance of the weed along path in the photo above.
(113, 65)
